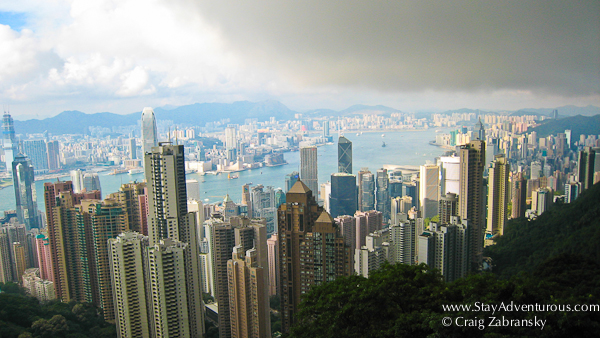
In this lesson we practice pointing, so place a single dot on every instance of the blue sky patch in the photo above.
(16, 21)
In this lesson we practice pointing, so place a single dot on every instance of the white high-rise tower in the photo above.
(149, 133)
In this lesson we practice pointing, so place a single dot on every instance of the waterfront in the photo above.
(407, 148)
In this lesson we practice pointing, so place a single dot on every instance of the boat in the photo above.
(118, 171)
(232, 177)
(382, 135)
(135, 171)
(383, 145)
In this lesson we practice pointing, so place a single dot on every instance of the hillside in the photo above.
(563, 111)
(577, 124)
(564, 229)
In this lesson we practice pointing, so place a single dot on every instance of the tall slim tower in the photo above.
(9, 140)
(586, 167)
(366, 190)
(149, 132)
(498, 195)
(429, 189)
(344, 155)
(519, 195)
(384, 202)
(471, 198)
(308, 168)
(169, 219)
(25, 195)
(311, 249)
(53, 150)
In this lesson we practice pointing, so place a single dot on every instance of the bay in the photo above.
(409, 148)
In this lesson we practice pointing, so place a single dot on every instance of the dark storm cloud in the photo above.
(550, 47)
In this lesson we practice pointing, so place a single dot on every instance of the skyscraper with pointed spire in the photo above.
(25, 195)
(8, 141)
(149, 132)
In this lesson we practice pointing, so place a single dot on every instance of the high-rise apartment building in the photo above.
(430, 189)
(444, 248)
(25, 194)
(450, 174)
(471, 203)
(448, 208)
(497, 202)
(384, 202)
(247, 303)
(273, 257)
(9, 141)
(343, 197)
(519, 195)
(311, 249)
(308, 169)
(344, 155)
(169, 219)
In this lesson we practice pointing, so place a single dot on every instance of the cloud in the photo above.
(545, 47)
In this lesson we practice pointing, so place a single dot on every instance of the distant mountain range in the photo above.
(586, 125)
(76, 122)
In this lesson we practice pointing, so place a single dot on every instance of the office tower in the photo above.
(290, 180)
(8, 140)
(132, 149)
(53, 151)
(248, 306)
(309, 170)
(395, 187)
(325, 129)
(25, 194)
(403, 239)
(359, 179)
(541, 200)
(450, 174)
(535, 170)
(77, 180)
(471, 203)
(311, 250)
(91, 182)
(429, 189)
(342, 200)
(169, 219)
(571, 191)
(192, 188)
(344, 155)
(519, 195)
(568, 135)
(273, 252)
(126, 253)
(497, 202)
(444, 248)
(149, 132)
(262, 200)
(480, 129)
(36, 151)
(383, 195)
(555, 114)
(44, 257)
(231, 142)
(448, 207)
(325, 192)
(585, 167)
(279, 197)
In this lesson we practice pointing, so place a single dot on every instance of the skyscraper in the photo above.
(450, 174)
(273, 257)
(149, 132)
(471, 198)
(53, 151)
(343, 199)
(497, 205)
(308, 169)
(91, 182)
(366, 190)
(25, 195)
(344, 155)
(519, 195)
(169, 219)
(36, 151)
(585, 167)
(430, 189)
(132, 149)
(231, 142)
(290, 180)
(448, 207)
(9, 141)
(384, 202)
(311, 249)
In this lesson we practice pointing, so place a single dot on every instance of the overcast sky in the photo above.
(123, 55)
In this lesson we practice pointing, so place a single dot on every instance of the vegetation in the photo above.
(586, 125)
(23, 316)
(552, 262)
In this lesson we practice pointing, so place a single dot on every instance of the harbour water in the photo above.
(408, 148)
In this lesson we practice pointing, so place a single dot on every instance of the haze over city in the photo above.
(97, 56)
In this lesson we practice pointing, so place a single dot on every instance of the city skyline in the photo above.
(478, 55)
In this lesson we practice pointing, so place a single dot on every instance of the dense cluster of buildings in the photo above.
(147, 253)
